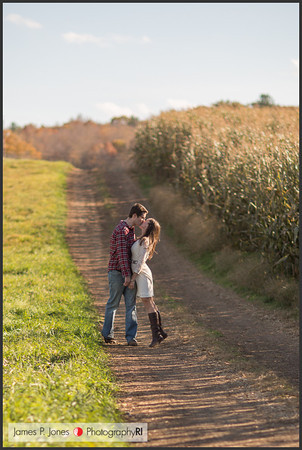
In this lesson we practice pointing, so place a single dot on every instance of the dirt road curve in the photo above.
(188, 392)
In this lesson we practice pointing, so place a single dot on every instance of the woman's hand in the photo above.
(127, 281)
(131, 284)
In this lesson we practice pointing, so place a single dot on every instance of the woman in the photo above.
(142, 250)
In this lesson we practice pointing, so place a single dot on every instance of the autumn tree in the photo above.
(15, 146)
(83, 143)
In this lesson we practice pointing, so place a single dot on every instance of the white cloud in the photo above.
(123, 39)
(178, 103)
(295, 62)
(77, 38)
(119, 39)
(19, 20)
(146, 40)
(112, 109)
(142, 110)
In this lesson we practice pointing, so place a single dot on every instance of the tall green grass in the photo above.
(55, 368)
(238, 164)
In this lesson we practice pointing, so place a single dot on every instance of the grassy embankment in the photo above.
(55, 369)
(224, 181)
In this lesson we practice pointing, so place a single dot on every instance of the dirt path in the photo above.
(188, 389)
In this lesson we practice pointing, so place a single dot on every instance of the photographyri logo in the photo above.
(78, 431)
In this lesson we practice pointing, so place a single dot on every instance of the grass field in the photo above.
(55, 368)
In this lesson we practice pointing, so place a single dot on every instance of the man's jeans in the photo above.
(116, 290)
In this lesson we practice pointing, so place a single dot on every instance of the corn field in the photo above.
(239, 163)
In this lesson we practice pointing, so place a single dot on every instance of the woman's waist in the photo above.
(135, 263)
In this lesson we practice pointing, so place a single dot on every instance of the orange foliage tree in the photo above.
(83, 143)
(15, 146)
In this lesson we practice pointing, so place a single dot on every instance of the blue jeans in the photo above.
(116, 290)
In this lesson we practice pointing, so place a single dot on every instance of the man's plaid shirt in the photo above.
(121, 242)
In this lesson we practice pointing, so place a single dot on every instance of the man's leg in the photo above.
(115, 293)
(131, 317)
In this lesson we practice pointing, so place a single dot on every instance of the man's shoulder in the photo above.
(122, 228)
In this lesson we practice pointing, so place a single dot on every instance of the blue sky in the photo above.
(101, 60)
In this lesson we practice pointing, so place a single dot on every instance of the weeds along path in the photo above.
(188, 389)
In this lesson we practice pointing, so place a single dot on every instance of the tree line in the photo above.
(83, 143)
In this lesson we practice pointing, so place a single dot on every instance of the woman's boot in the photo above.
(162, 332)
(156, 337)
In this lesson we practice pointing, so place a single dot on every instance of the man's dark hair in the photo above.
(138, 209)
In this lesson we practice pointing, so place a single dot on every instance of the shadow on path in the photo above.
(186, 395)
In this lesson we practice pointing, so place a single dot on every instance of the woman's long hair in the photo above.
(152, 232)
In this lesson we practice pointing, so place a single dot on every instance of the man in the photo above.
(119, 275)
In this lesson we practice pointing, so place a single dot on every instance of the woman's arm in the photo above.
(141, 258)
(132, 281)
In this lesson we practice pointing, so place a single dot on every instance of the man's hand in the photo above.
(127, 281)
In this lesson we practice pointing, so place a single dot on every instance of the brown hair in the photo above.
(137, 209)
(153, 233)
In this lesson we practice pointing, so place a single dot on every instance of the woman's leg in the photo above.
(151, 307)
(154, 320)
(149, 304)
(162, 332)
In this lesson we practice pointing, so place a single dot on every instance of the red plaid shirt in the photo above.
(121, 242)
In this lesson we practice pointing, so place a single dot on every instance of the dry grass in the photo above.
(250, 272)
(198, 231)
(226, 259)
(285, 292)
(202, 233)
(253, 273)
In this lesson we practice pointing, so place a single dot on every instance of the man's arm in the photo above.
(122, 255)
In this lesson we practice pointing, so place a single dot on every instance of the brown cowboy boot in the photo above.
(162, 332)
(156, 337)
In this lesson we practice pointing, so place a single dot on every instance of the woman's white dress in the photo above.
(144, 280)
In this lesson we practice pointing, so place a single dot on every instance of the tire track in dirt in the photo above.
(187, 395)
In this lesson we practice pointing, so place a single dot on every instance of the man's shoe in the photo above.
(109, 340)
(133, 343)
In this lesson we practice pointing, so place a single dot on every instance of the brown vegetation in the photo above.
(202, 233)
(15, 146)
(83, 143)
(239, 164)
(199, 232)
